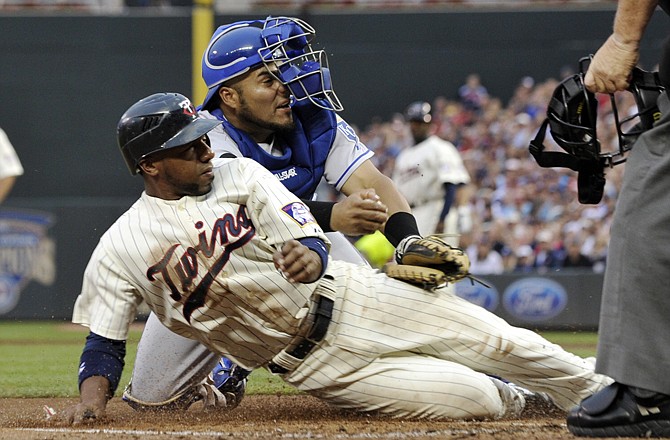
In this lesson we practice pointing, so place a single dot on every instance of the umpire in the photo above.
(635, 315)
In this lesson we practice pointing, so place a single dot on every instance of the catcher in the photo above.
(243, 267)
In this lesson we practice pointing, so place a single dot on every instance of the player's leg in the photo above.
(381, 315)
(489, 344)
(412, 386)
(170, 371)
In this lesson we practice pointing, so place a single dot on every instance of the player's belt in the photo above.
(303, 346)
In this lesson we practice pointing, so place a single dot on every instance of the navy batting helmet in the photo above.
(418, 112)
(157, 123)
(281, 42)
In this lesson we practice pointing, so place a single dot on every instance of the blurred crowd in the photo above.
(524, 217)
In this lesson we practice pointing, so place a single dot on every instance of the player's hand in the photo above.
(611, 66)
(298, 263)
(79, 414)
(94, 391)
(361, 213)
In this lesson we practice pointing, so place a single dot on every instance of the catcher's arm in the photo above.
(359, 213)
(401, 223)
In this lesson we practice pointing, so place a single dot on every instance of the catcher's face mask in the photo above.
(572, 116)
(303, 70)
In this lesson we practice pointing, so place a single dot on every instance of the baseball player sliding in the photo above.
(224, 254)
(274, 98)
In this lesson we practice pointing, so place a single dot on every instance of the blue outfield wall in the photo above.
(561, 300)
(65, 81)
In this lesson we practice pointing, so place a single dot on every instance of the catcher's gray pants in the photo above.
(635, 311)
(168, 365)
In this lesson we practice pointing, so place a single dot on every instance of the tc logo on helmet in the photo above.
(187, 107)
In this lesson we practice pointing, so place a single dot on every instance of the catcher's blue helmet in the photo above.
(283, 42)
(232, 51)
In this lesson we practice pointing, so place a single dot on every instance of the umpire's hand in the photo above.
(610, 68)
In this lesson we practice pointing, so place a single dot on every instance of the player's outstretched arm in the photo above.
(6, 186)
(100, 368)
(93, 402)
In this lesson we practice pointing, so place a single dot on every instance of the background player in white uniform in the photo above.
(10, 166)
(431, 174)
(223, 253)
(273, 96)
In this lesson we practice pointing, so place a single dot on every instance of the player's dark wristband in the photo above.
(399, 226)
(321, 212)
(318, 246)
(102, 357)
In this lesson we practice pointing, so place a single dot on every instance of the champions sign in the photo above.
(26, 253)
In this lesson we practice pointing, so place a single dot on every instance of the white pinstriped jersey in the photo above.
(213, 250)
(420, 171)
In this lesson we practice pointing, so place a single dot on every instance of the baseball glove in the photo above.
(430, 261)
(424, 277)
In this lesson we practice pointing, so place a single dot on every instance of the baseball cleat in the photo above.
(513, 399)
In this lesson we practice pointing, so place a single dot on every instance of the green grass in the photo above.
(580, 343)
(40, 359)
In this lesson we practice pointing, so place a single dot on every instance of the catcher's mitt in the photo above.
(424, 277)
(430, 262)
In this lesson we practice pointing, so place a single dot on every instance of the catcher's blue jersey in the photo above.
(305, 149)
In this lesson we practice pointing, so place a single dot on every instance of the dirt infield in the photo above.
(268, 417)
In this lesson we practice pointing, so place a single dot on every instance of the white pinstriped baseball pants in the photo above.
(406, 352)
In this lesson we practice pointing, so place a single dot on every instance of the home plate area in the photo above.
(267, 417)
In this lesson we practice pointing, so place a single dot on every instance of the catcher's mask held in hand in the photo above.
(572, 116)
(281, 42)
